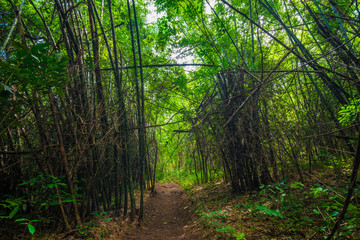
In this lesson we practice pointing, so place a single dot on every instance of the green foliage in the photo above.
(329, 205)
(38, 196)
(13, 205)
(31, 229)
(85, 229)
(41, 190)
(222, 215)
(317, 191)
(185, 177)
(13, 212)
(35, 68)
(218, 220)
(29, 224)
(163, 5)
(257, 207)
(268, 211)
(325, 203)
(350, 112)
(226, 229)
(190, 98)
(240, 236)
(165, 33)
(297, 185)
(101, 215)
(29, 69)
(274, 191)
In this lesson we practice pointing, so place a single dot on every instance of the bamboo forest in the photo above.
(179, 119)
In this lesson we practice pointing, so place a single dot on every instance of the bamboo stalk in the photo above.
(13, 25)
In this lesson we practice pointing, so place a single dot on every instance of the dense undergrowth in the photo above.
(286, 209)
(99, 225)
(102, 225)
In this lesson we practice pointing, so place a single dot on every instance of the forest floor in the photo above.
(167, 215)
(282, 210)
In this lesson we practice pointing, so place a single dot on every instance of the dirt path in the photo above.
(167, 216)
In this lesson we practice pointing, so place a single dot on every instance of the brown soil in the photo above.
(167, 215)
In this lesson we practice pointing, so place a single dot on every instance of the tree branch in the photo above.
(164, 65)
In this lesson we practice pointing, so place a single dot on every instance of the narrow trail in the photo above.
(167, 216)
